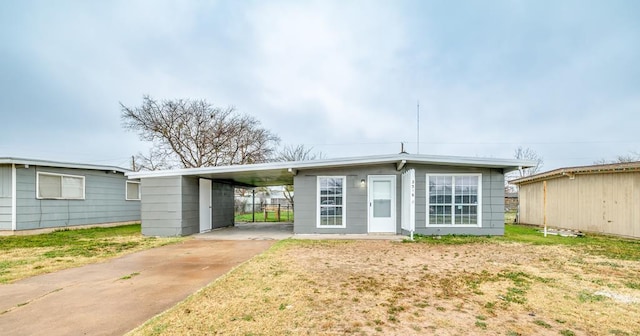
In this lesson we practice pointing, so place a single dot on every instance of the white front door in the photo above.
(205, 205)
(382, 203)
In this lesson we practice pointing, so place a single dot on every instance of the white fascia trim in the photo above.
(14, 200)
(46, 163)
(341, 162)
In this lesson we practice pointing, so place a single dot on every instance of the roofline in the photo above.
(47, 163)
(582, 170)
(399, 159)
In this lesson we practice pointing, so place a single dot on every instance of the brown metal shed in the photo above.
(600, 198)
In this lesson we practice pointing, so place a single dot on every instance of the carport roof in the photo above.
(281, 173)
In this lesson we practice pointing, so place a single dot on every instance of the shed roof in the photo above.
(572, 171)
(281, 173)
(47, 163)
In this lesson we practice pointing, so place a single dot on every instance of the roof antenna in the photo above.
(418, 129)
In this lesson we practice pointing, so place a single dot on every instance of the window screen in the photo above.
(133, 191)
(57, 186)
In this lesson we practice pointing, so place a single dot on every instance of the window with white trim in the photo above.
(331, 200)
(454, 199)
(133, 191)
(59, 186)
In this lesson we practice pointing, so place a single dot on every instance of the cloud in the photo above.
(333, 58)
(341, 76)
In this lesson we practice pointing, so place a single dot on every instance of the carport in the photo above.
(182, 202)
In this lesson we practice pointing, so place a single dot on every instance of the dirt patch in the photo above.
(392, 288)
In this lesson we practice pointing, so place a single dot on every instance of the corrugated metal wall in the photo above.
(607, 203)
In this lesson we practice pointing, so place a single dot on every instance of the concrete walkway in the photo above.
(278, 231)
(114, 297)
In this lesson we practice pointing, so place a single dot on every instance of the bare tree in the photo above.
(529, 155)
(154, 160)
(631, 157)
(600, 162)
(296, 153)
(192, 133)
(523, 154)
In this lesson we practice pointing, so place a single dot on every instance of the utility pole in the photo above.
(133, 163)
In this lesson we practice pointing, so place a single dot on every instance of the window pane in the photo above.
(331, 199)
(72, 187)
(453, 199)
(381, 208)
(381, 190)
(133, 191)
(50, 186)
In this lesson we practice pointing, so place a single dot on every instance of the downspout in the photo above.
(14, 201)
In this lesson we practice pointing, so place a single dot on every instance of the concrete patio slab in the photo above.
(250, 231)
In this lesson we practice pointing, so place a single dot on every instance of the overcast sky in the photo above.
(560, 77)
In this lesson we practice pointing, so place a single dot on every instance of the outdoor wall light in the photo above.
(362, 182)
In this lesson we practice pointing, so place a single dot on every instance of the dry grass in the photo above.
(26, 256)
(385, 288)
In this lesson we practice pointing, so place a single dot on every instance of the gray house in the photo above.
(38, 194)
(399, 193)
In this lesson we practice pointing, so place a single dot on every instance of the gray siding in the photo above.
(171, 205)
(5, 197)
(161, 210)
(190, 205)
(492, 201)
(356, 207)
(222, 205)
(104, 200)
(305, 186)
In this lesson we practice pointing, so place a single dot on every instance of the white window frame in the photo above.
(62, 176)
(454, 175)
(344, 203)
(126, 191)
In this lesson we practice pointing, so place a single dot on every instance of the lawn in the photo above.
(519, 284)
(25, 256)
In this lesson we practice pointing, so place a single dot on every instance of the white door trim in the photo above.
(391, 225)
(14, 200)
(205, 205)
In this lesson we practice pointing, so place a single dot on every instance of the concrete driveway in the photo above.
(114, 297)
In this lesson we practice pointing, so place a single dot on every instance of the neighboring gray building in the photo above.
(430, 195)
(39, 194)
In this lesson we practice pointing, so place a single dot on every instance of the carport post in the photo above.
(544, 206)
(253, 205)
